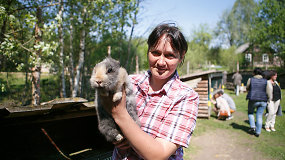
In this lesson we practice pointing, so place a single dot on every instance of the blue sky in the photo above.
(188, 14)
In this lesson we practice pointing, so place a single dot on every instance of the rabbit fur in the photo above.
(108, 79)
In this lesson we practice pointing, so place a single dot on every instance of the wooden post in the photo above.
(137, 64)
(237, 66)
(188, 65)
(109, 51)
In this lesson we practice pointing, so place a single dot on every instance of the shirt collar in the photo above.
(258, 76)
(144, 84)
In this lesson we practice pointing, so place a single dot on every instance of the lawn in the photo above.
(15, 91)
(269, 144)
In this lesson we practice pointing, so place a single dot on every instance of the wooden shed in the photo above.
(64, 128)
(204, 83)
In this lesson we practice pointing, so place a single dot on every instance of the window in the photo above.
(265, 58)
(248, 57)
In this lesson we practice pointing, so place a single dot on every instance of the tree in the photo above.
(74, 35)
(268, 30)
(235, 24)
(61, 42)
(30, 19)
(71, 52)
(81, 53)
(198, 52)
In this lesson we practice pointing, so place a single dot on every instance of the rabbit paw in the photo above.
(119, 137)
(117, 96)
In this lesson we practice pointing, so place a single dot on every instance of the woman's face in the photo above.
(163, 60)
(274, 77)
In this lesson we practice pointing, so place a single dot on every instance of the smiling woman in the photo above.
(167, 108)
(164, 54)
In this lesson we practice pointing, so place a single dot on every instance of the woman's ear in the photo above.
(181, 60)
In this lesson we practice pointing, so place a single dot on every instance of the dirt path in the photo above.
(226, 144)
(220, 145)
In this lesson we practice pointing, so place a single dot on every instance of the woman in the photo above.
(274, 96)
(256, 87)
(167, 108)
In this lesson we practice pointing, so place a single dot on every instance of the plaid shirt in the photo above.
(169, 113)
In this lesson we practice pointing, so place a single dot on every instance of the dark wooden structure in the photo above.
(67, 128)
(204, 83)
(60, 129)
(281, 80)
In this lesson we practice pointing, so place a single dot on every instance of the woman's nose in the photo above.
(161, 60)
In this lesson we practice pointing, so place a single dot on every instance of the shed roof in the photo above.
(53, 107)
(242, 48)
(200, 74)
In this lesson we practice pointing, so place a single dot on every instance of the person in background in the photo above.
(274, 97)
(257, 98)
(231, 103)
(221, 106)
(167, 108)
(237, 82)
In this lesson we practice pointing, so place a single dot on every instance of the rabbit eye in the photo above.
(110, 70)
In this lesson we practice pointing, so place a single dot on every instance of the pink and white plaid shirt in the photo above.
(169, 113)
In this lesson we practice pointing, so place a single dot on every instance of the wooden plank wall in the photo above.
(202, 90)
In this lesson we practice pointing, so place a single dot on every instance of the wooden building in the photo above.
(204, 83)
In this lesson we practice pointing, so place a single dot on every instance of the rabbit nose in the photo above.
(99, 82)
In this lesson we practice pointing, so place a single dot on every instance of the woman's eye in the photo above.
(170, 56)
(155, 53)
(110, 70)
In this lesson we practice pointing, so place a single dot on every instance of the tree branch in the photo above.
(30, 7)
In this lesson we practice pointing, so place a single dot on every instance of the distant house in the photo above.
(254, 58)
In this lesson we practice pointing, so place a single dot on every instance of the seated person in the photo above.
(231, 104)
(221, 106)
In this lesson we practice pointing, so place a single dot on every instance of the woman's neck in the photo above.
(156, 84)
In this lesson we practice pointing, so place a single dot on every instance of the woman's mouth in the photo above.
(161, 70)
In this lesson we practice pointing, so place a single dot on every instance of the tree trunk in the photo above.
(36, 70)
(61, 56)
(134, 21)
(36, 77)
(121, 57)
(81, 54)
(71, 63)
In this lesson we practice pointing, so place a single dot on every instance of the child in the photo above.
(221, 106)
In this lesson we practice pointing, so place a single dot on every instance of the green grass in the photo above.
(269, 144)
(18, 93)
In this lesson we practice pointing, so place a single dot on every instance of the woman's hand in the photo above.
(122, 145)
(119, 107)
(116, 107)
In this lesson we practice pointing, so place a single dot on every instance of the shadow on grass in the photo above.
(246, 121)
(213, 116)
(241, 127)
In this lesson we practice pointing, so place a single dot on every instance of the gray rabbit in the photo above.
(108, 79)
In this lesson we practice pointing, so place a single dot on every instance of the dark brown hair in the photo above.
(177, 40)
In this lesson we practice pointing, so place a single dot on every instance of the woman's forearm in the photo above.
(145, 145)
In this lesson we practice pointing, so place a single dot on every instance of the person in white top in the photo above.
(221, 106)
(274, 95)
